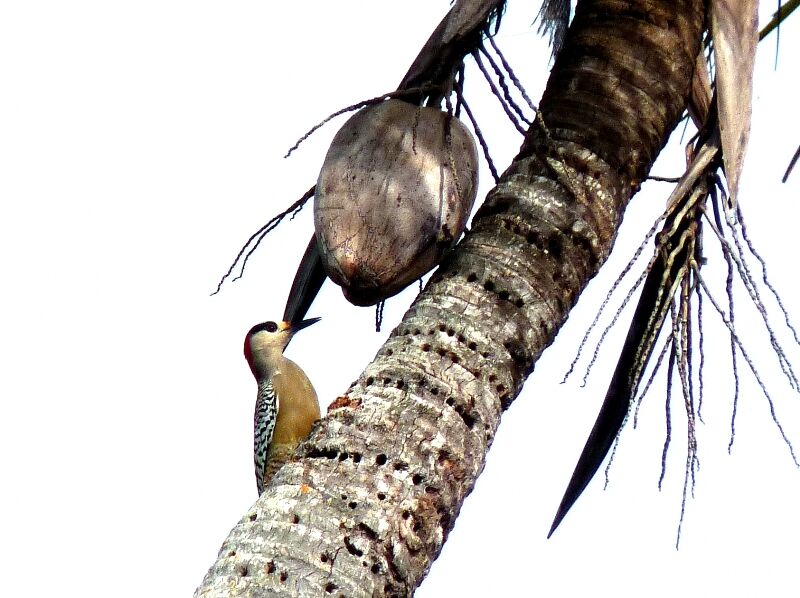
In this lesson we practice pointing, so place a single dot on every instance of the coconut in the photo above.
(394, 194)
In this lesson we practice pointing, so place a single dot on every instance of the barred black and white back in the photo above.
(264, 419)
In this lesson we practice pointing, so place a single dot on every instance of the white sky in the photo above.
(141, 144)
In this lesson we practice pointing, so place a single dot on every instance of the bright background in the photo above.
(141, 144)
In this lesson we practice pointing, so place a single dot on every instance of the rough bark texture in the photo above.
(367, 505)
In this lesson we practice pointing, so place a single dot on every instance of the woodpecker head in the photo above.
(265, 342)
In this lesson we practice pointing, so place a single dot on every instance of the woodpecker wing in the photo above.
(266, 416)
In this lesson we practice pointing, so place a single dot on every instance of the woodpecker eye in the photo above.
(264, 326)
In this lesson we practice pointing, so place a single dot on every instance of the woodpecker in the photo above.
(286, 404)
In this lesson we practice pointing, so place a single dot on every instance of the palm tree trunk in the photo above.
(367, 505)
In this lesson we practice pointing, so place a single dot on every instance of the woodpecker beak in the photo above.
(295, 326)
